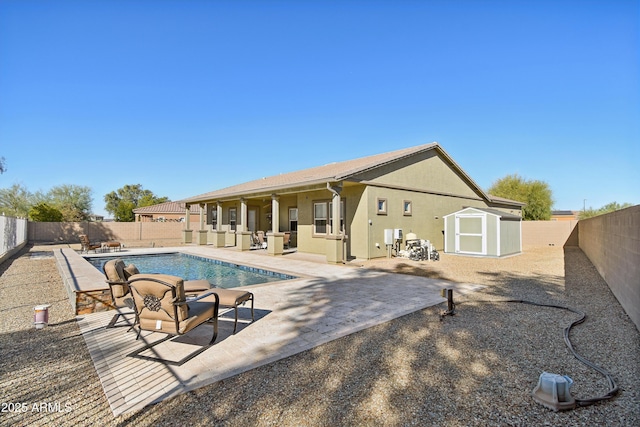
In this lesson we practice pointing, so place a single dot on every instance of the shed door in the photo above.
(471, 234)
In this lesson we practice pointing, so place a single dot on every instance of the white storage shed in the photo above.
(482, 232)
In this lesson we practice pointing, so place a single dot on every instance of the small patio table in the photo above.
(111, 246)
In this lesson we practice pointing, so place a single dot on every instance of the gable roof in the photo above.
(504, 215)
(337, 171)
(167, 208)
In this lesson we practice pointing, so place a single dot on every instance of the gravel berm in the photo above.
(475, 368)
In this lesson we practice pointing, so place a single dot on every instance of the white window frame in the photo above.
(316, 219)
(293, 212)
(407, 208)
(381, 206)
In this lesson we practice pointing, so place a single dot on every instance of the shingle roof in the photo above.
(167, 208)
(504, 215)
(331, 172)
(568, 213)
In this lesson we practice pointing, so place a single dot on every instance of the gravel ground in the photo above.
(475, 368)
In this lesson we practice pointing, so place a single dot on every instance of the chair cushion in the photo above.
(114, 270)
(130, 270)
(199, 312)
(154, 299)
(191, 286)
(229, 297)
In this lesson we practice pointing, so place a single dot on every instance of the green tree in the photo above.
(123, 201)
(43, 212)
(608, 208)
(15, 201)
(536, 194)
(74, 201)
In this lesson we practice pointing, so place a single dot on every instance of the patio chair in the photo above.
(261, 240)
(161, 306)
(287, 240)
(117, 275)
(117, 278)
(255, 241)
(86, 245)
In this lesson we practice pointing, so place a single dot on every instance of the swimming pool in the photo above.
(190, 267)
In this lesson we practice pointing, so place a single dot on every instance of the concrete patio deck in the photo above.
(327, 302)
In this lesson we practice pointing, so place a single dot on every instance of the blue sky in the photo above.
(186, 97)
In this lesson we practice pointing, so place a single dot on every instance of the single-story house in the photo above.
(166, 212)
(410, 190)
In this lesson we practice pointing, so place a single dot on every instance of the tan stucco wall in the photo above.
(427, 172)
(612, 243)
(132, 233)
(547, 233)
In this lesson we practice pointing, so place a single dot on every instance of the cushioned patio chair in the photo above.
(255, 242)
(86, 245)
(262, 240)
(161, 305)
(118, 274)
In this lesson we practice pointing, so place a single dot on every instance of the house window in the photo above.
(214, 219)
(406, 207)
(232, 218)
(320, 218)
(293, 219)
(382, 206)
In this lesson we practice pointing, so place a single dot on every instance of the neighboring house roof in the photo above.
(566, 213)
(333, 172)
(167, 208)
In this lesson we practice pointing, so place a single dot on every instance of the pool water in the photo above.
(189, 267)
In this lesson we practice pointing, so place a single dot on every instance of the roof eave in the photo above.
(265, 191)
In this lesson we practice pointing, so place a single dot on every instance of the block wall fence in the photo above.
(611, 242)
(534, 233)
(132, 234)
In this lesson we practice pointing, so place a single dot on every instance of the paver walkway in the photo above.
(327, 302)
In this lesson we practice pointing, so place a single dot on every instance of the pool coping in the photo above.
(86, 287)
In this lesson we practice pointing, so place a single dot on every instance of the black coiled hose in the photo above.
(613, 387)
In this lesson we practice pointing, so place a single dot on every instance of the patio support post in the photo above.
(275, 239)
(243, 215)
(187, 233)
(335, 247)
(202, 232)
(219, 235)
(243, 236)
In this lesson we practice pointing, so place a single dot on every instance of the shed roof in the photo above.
(504, 215)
